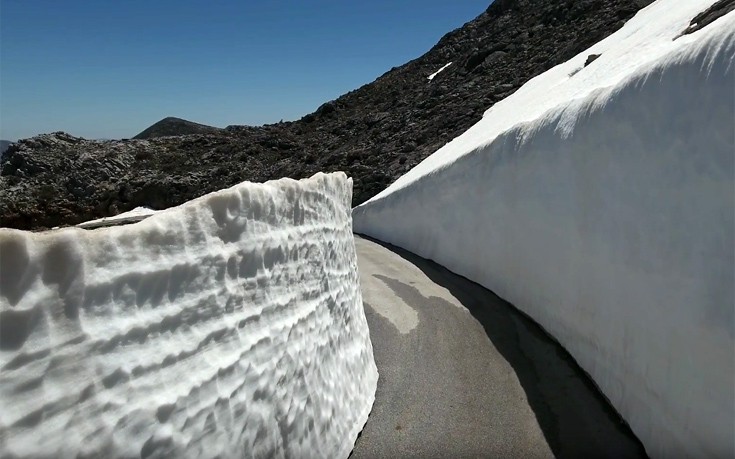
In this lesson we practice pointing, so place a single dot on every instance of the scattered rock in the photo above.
(591, 58)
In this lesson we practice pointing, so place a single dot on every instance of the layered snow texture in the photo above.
(230, 326)
(600, 200)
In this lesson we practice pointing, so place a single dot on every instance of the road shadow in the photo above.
(576, 419)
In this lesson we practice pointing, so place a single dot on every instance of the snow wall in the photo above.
(609, 221)
(230, 326)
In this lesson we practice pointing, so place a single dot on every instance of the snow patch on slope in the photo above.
(230, 326)
(602, 205)
(431, 77)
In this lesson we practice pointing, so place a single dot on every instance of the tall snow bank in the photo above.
(600, 201)
(230, 326)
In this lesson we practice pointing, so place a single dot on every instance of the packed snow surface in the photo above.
(431, 77)
(230, 326)
(600, 200)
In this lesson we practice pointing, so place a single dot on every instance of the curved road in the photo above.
(464, 374)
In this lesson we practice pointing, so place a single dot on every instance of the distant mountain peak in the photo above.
(172, 126)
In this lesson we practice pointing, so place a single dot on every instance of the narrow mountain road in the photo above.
(464, 374)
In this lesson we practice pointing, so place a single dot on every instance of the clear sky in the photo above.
(111, 68)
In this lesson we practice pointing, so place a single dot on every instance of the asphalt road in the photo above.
(464, 374)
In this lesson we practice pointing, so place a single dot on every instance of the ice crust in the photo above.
(230, 326)
(601, 201)
(132, 216)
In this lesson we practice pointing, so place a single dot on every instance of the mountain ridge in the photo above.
(374, 133)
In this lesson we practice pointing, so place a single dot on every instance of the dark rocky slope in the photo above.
(4, 144)
(174, 127)
(375, 133)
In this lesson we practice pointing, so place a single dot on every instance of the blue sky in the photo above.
(109, 69)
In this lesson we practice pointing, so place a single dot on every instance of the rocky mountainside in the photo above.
(374, 133)
(174, 127)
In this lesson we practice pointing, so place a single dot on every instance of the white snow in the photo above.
(431, 77)
(230, 326)
(132, 216)
(603, 204)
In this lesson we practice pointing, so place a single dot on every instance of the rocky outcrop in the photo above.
(4, 144)
(374, 133)
(706, 17)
